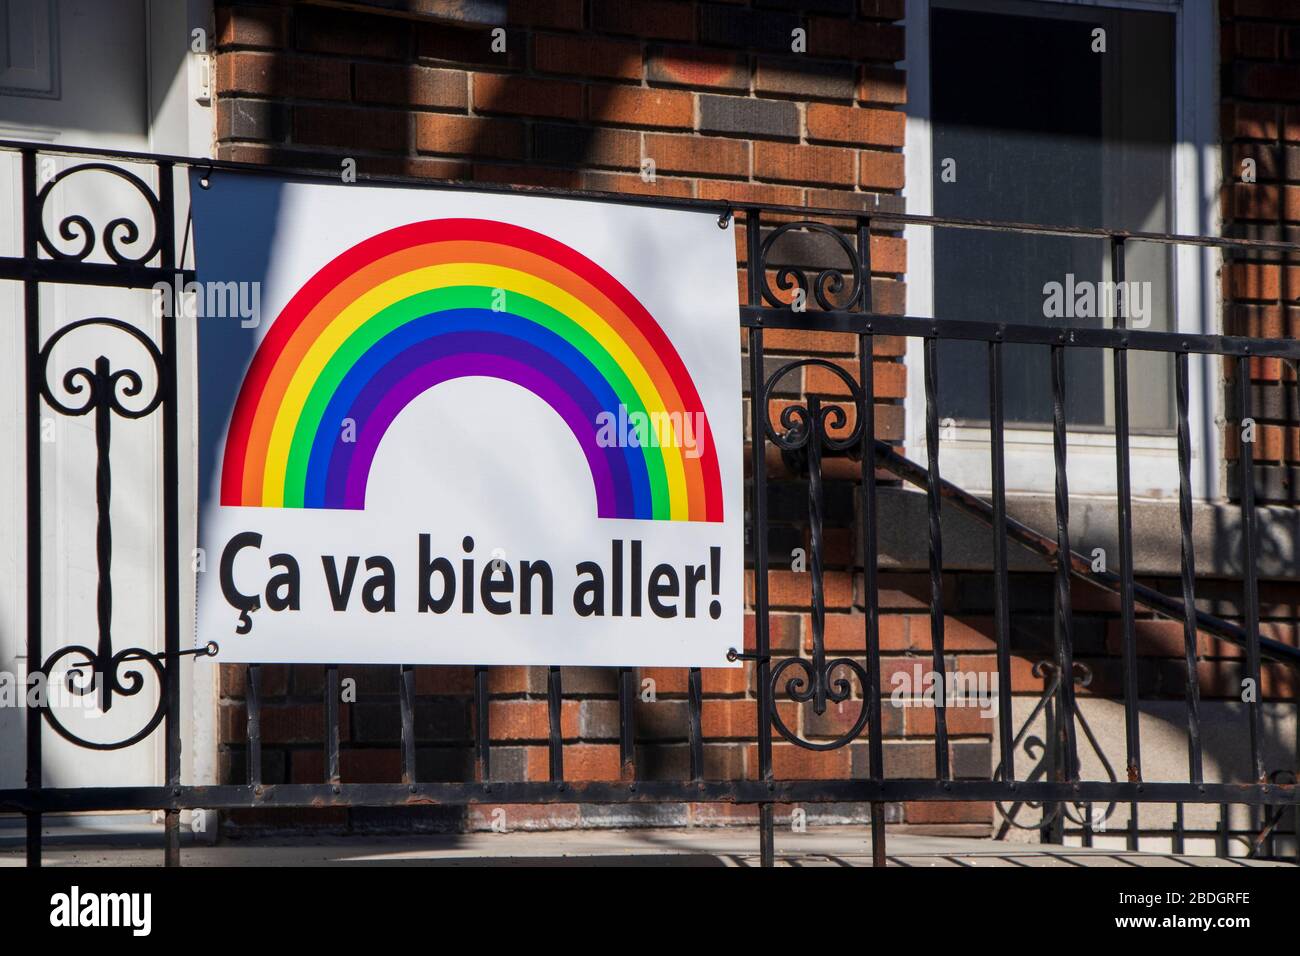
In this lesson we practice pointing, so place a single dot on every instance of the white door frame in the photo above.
(183, 122)
(964, 455)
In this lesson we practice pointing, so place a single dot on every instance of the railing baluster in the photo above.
(627, 723)
(332, 693)
(1123, 496)
(554, 702)
(406, 692)
(1250, 583)
(758, 519)
(870, 587)
(1001, 584)
(935, 503)
(1194, 763)
(815, 512)
(695, 722)
(482, 727)
(253, 700)
(1063, 606)
(32, 479)
(171, 517)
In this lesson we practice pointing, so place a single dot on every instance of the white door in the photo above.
(75, 73)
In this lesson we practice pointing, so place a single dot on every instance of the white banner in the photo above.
(444, 427)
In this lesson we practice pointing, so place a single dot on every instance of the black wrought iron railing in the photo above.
(808, 430)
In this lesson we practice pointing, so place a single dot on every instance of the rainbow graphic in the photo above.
(427, 302)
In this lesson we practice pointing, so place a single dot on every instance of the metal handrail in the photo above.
(1080, 566)
(721, 207)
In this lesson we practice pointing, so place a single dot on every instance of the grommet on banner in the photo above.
(206, 181)
(725, 218)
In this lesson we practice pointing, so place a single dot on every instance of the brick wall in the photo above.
(585, 95)
(1261, 122)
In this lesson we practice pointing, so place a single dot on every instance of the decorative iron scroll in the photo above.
(105, 391)
(1082, 677)
(807, 432)
(826, 285)
(76, 227)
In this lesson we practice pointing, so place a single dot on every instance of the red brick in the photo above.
(726, 719)
(1260, 201)
(848, 632)
(652, 19)
(839, 718)
(806, 79)
(566, 145)
(251, 26)
(472, 47)
(667, 680)
(725, 680)
(889, 255)
(1265, 281)
(1250, 121)
(498, 93)
(844, 124)
(691, 66)
(794, 588)
(1267, 9)
(592, 762)
(848, 39)
(530, 719)
(741, 193)
(959, 633)
(782, 632)
(516, 680)
(355, 765)
(277, 74)
(457, 681)
(880, 170)
(798, 340)
(794, 763)
(1265, 322)
(639, 106)
(321, 30)
(1269, 81)
(274, 679)
(705, 155)
(919, 720)
(882, 9)
(299, 723)
(587, 56)
(350, 128)
(803, 164)
(470, 136)
(411, 86)
(882, 84)
(890, 380)
(1257, 40)
(555, 14)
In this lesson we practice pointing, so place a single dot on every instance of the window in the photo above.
(1021, 116)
